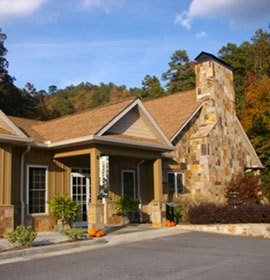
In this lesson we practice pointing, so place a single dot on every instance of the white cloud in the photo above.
(106, 5)
(200, 35)
(237, 12)
(17, 8)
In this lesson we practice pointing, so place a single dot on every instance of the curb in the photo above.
(50, 248)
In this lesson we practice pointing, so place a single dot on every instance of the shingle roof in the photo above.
(172, 111)
(77, 125)
(26, 125)
(6, 132)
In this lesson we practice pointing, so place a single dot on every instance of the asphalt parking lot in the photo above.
(190, 255)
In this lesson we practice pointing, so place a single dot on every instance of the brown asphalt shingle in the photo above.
(77, 125)
(171, 112)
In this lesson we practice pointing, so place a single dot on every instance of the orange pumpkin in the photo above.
(168, 223)
(102, 233)
(172, 224)
(98, 234)
(92, 232)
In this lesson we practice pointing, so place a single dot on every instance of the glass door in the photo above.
(81, 193)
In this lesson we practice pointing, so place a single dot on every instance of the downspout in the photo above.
(139, 188)
(21, 183)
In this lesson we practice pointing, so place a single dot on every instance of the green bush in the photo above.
(126, 204)
(74, 233)
(22, 236)
(64, 208)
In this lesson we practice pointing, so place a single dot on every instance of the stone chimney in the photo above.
(214, 86)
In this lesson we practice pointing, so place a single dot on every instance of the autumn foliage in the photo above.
(244, 189)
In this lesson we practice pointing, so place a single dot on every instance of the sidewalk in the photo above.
(114, 236)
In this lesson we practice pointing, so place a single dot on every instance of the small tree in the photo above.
(126, 204)
(244, 189)
(64, 209)
(23, 236)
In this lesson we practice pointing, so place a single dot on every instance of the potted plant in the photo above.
(126, 205)
(64, 210)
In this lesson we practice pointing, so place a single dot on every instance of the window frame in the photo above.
(134, 180)
(28, 189)
(176, 189)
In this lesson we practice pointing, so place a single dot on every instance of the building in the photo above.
(189, 142)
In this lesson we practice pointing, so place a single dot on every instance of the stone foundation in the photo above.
(40, 224)
(96, 216)
(6, 219)
(253, 230)
(158, 215)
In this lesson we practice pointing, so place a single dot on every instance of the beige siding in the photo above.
(5, 174)
(133, 125)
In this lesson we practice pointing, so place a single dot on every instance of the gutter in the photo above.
(16, 139)
(21, 183)
(103, 140)
(139, 188)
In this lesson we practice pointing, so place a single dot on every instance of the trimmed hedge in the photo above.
(226, 214)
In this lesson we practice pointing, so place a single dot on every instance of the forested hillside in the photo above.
(250, 63)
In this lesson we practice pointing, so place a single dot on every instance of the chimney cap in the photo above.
(205, 56)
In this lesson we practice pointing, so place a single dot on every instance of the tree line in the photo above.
(250, 62)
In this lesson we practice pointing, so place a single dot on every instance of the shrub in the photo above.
(64, 208)
(126, 204)
(74, 233)
(226, 214)
(22, 236)
(184, 202)
(244, 189)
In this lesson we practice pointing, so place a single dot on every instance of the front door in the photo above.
(81, 193)
(128, 183)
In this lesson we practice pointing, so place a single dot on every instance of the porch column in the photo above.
(158, 205)
(6, 208)
(95, 208)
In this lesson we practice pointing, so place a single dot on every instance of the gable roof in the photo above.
(72, 126)
(92, 125)
(172, 112)
(167, 115)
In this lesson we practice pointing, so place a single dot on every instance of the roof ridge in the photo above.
(169, 95)
(87, 110)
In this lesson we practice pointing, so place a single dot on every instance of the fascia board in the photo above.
(249, 144)
(117, 118)
(8, 138)
(154, 123)
(186, 122)
(11, 124)
(104, 140)
(132, 143)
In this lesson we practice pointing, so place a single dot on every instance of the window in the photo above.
(37, 189)
(175, 184)
(128, 183)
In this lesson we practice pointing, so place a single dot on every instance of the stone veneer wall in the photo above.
(6, 219)
(251, 230)
(210, 150)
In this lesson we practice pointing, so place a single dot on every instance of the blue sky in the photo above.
(63, 42)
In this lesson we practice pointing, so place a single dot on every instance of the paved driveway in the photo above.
(189, 255)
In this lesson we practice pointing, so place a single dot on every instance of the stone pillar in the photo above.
(6, 219)
(95, 208)
(158, 205)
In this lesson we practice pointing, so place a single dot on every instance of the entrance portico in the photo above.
(121, 159)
